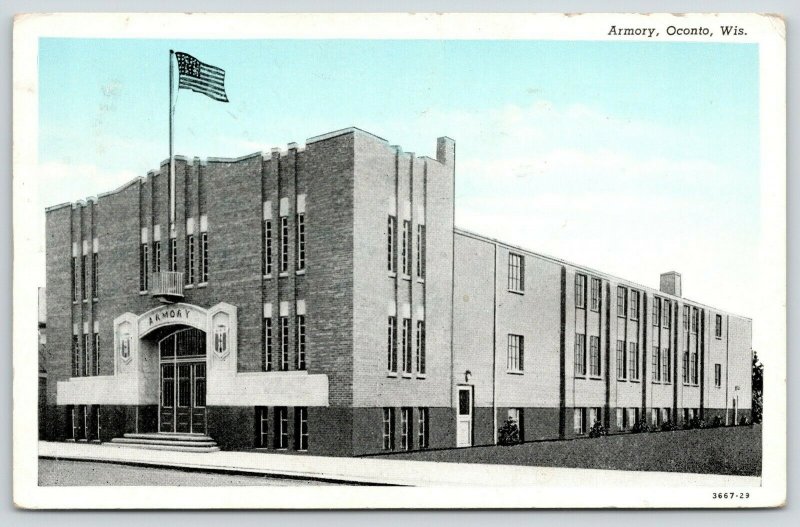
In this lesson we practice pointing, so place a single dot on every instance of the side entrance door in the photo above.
(182, 407)
(464, 417)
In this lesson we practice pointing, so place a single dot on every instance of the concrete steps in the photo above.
(164, 441)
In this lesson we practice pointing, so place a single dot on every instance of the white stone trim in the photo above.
(406, 210)
(156, 233)
(420, 214)
(284, 207)
(301, 307)
(96, 326)
(405, 311)
(393, 206)
(284, 309)
(144, 235)
(95, 245)
(267, 310)
(85, 328)
(420, 313)
(74, 249)
(75, 328)
(203, 223)
(85, 247)
(301, 203)
(267, 212)
(391, 309)
(189, 225)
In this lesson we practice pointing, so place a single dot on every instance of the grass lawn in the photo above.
(734, 451)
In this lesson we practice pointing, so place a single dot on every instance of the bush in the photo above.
(640, 426)
(717, 422)
(695, 423)
(744, 421)
(509, 433)
(668, 426)
(598, 430)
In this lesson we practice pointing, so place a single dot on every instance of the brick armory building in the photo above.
(320, 299)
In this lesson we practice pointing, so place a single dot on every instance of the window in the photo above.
(666, 364)
(284, 343)
(281, 428)
(656, 311)
(665, 415)
(421, 251)
(75, 281)
(579, 420)
(391, 345)
(190, 255)
(284, 244)
(267, 365)
(405, 429)
(95, 264)
(87, 348)
(655, 416)
(620, 418)
(580, 354)
(517, 416)
(622, 295)
(621, 372)
(594, 416)
(686, 367)
(686, 318)
(266, 268)
(516, 272)
(184, 385)
(156, 257)
(96, 353)
(262, 422)
(633, 360)
(388, 428)
(595, 294)
(656, 366)
(665, 313)
(301, 428)
(300, 341)
(516, 353)
(301, 241)
(718, 375)
(718, 326)
(634, 305)
(406, 349)
(391, 244)
(167, 385)
(594, 356)
(143, 267)
(695, 317)
(84, 282)
(203, 257)
(422, 428)
(631, 417)
(406, 247)
(580, 291)
(693, 366)
(76, 357)
(173, 254)
(421, 347)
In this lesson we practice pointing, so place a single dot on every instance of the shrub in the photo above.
(694, 423)
(744, 421)
(640, 426)
(668, 426)
(598, 430)
(509, 433)
(717, 422)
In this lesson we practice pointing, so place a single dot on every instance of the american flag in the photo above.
(201, 77)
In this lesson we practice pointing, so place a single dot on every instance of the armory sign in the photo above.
(184, 314)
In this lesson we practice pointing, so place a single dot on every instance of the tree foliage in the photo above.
(758, 389)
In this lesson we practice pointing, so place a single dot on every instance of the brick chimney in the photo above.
(671, 283)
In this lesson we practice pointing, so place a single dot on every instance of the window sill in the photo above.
(595, 378)
(406, 277)
(622, 380)
(406, 375)
(422, 376)
(392, 274)
(95, 299)
(595, 310)
(634, 319)
(580, 376)
(85, 300)
(300, 272)
(202, 284)
(637, 381)
(583, 308)
(516, 291)
(515, 372)
(392, 374)
(141, 293)
(283, 275)
(188, 286)
(420, 280)
(267, 277)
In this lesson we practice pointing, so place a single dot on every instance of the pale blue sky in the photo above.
(631, 157)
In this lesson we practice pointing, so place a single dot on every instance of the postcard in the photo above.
(440, 260)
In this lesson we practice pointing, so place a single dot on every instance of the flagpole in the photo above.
(171, 156)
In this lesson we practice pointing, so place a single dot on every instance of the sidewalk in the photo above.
(372, 471)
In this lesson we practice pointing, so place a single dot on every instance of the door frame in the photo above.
(192, 361)
(468, 388)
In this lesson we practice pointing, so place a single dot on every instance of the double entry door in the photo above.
(183, 383)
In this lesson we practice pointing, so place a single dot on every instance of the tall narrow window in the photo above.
(516, 272)
(284, 244)
(281, 427)
(622, 297)
(515, 355)
(656, 311)
(87, 349)
(633, 360)
(656, 365)
(420, 251)
(95, 267)
(173, 255)
(579, 421)
(595, 294)
(75, 280)
(391, 249)
(267, 267)
(301, 241)
(718, 375)
(405, 429)
(391, 344)
(686, 318)
(203, 257)
(621, 371)
(301, 428)
(406, 345)
(96, 353)
(76, 356)
(406, 256)
(300, 343)
(84, 281)
(634, 305)
(580, 354)
(267, 365)
(190, 259)
(718, 326)
(421, 347)
(666, 364)
(284, 343)
(594, 356)
(686, 367)
(580, 290)
(388, 428)
(695, 318)
(143, 267)
(262, 421)
(694, 368)
(422, 427)
(156, 257)
(666, 311)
